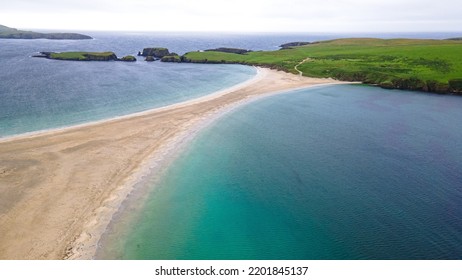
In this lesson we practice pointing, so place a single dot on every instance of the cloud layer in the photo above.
(235, 15)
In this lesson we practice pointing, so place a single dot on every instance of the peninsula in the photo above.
(13, 33)
(408, 64)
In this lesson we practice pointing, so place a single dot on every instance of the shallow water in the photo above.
(37, 94)
(338, 172)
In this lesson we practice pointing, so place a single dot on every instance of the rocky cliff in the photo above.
(155, 52)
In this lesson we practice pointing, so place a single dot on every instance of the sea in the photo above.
(332, 172)
(39, 94)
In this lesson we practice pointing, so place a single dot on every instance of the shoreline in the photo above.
(206, 97)
(63, 186)
(149, 176)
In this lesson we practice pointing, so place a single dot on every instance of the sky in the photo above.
(235, 15)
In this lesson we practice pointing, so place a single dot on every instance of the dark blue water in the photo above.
(338, 172)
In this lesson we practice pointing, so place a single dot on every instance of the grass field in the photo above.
(103, 56)
(426, 65)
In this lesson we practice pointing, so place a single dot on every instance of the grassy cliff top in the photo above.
(370, 60)
(83, 56)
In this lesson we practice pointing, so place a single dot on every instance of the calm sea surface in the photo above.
(338, 172)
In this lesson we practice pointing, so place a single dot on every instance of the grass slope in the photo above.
(427, 65)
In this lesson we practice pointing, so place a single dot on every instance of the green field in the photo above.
(426, 65)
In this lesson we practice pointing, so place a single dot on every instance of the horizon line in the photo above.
(234, 31)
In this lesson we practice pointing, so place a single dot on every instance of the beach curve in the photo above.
(60, 188)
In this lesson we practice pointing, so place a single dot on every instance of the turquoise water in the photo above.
(338, 172)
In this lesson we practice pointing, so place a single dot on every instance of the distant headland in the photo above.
(13, 33)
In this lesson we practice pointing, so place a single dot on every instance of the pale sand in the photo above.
(60, 188)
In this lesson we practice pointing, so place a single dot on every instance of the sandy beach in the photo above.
(60, 188)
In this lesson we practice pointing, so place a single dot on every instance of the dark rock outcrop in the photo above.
(171, 58)
(155, 52)
(128, 58)
(150, 58)
(43, 54)
(437, 87)
(455, 86)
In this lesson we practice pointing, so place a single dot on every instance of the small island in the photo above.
(85, 56)
(13, 33)
(157, 53)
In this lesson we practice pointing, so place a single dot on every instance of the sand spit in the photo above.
(60, 188)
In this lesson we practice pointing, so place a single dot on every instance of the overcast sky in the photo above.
(235, 15)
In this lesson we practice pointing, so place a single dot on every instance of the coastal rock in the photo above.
(171, 58)
(437, 87)
(184, 58)
(155, 52)
(386, 85)
(128, 58)
(150, 58)
(455, 86)
(43, 54)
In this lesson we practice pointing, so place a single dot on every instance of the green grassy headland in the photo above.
(13, 33)
(83, 56)
(425, 65)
